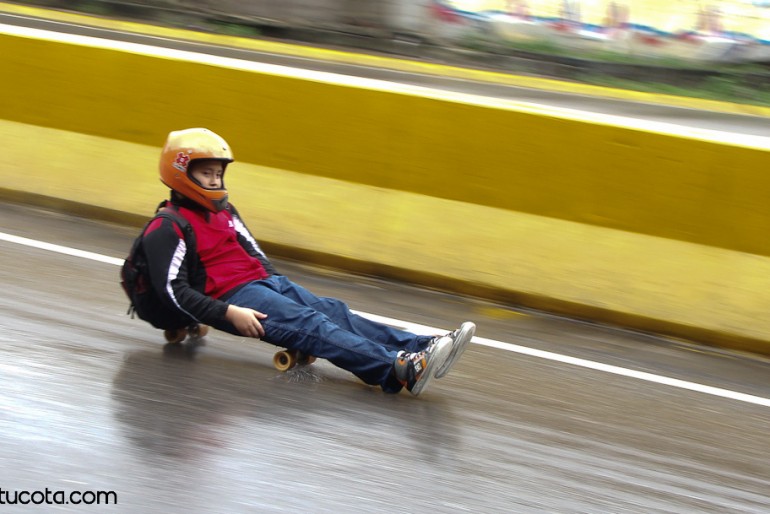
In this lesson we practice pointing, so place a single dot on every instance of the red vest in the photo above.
(226, 262)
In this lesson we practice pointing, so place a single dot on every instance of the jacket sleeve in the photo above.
(168, 263)
(249, 243)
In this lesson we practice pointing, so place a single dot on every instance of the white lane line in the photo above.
(583, 363)
(59, 249)
(428, 330)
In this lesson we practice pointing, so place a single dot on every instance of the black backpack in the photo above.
(135, 280)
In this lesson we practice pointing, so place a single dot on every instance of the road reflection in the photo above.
(181, 404)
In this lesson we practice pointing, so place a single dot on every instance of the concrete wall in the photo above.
(696, 30)
(381, 17)
(640, 225)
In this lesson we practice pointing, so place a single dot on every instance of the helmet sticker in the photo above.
(181, 161)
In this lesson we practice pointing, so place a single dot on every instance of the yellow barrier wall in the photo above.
(485, 197)
(497, 155)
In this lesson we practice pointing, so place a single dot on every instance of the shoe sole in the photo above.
(464, 337)
(439, 355)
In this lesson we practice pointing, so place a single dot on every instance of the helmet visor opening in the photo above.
(205, 172)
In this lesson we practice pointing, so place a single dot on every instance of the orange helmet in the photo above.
(181, 149)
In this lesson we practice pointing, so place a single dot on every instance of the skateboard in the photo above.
(178, 335)
(283, 360)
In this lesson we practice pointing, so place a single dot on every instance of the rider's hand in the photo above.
(246, 321)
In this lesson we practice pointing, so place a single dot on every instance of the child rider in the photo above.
(228, 282)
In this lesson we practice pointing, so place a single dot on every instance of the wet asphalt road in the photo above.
(92, 400)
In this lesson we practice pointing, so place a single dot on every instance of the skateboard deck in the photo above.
(283, 360)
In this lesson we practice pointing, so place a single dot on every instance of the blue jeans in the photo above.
(324, 327)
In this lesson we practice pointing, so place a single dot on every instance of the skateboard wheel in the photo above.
(284, 360)
(175, 335)
(199, 330)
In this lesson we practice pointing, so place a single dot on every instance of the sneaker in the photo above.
(416, 370)
(460, 339)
